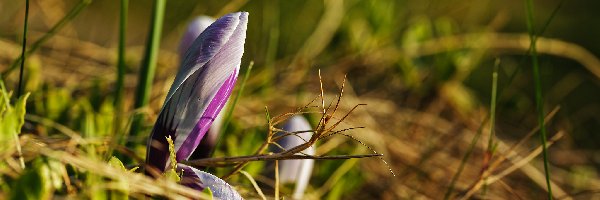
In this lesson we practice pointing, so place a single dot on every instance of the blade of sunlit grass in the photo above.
(148, 67)
(538, 93)
(72, 14)
(24, 46)
(276, 179)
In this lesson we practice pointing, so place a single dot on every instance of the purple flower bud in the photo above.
(203, 84)
(199, 180)
(296, 171)
(209, 141)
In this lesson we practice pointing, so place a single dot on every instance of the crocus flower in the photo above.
(206, 77)
(296, 171)
(209, 141)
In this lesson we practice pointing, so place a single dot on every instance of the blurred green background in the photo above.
(424, 69)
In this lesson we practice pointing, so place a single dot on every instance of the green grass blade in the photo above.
(552, 15)
(72, 14)
(489, 154)
(24, 46)
(118, 101)
(499, 94)
(119, 86)
(542, 31)
(20, 115)
(493, 108)
(148, 64)
(538, 92)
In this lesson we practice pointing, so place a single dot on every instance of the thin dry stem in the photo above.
(321, 132)
(253, 182)
(489, 179)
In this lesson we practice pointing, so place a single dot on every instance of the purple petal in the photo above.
(189, 178)
(194, 28)
(204, 49)
(199, 180)
(229, 54)
(201, 88)
(296, 171)
(209, 141)
(185, 149)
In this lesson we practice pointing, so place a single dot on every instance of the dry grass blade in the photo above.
(137, 183)
(322, 93)
(508, 153)
(276, 179)
(268, 157)
(287, 133)
(344, 117)
(264, 146)
(373, 150)
(340, 131)
(340, 97)
(486, 172)
(516, 165)
(63, 129)
(253, 182)
(523, 161)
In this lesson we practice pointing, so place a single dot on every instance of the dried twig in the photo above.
(322, 131)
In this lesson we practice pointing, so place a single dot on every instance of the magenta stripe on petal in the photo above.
(209, 115)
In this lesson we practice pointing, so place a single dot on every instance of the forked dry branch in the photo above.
(324, 129)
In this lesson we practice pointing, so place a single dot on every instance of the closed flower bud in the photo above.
(206, 77)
